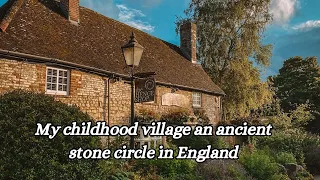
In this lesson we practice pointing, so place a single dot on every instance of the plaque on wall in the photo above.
(145, 90)
(171, 99)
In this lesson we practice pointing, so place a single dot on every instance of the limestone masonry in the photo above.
(88, 91)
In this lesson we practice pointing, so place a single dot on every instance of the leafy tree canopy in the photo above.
(229, 37)
(298, 82)
(244, 90)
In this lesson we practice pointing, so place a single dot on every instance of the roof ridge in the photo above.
(11, 12)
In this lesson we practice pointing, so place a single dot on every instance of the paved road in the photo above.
(317, 177)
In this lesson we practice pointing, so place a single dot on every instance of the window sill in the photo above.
(54, 93)
(197, 107)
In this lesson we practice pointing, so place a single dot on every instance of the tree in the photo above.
(244, 90)
(229, 37)
(298, 82)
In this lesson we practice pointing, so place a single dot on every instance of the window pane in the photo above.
(64, 87)
(54, 87)
(63, 73)
(54, 80)
(65, 81)
(49, 79)
(49, 71)
(49, 86)
(54, 72)
(60, 88)
(60, 80)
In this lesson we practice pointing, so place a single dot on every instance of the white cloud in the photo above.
(283, 10)
(307, 26)
(130, 16)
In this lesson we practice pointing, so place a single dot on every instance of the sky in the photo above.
(295, 30)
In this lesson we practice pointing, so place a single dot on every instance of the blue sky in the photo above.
(295, 30)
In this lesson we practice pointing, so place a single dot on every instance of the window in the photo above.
(196, 99)
(57, 81)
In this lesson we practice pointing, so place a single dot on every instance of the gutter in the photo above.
(189, 88)
(41, 59)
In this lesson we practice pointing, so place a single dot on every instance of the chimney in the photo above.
(70, 9)
(188, 40)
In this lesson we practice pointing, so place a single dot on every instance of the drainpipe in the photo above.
(108, 109)
(106, 101)
(222, 109)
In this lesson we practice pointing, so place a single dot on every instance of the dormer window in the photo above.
(196, 99)
(57, 81)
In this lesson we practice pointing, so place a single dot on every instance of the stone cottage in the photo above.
(74, 54)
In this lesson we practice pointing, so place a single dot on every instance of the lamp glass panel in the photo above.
(128, 55)
(137, 55)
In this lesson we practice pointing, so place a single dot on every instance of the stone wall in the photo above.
(86, 90)
(89, 92)
(19, 75)
(211, 104)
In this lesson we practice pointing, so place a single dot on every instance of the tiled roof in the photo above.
(40, 28)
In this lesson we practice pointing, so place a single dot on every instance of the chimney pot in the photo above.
(188, 41)
(70, 8)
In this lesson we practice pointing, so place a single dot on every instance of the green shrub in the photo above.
(118, 141)
(251, 120)
(146, 116)
(304, 175)
(201, 116)
(121, 176)
(259, 164)
(167, 168)
(285, 158)
(295, 119)
(26, 156)
(279, 177)
(222, 169)
(293, 141)
(199, 142)
(176, 116)
(301, 116)
(312, 160)
(114, 169)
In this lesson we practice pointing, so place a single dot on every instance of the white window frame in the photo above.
(196, 99)
(57, 92)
